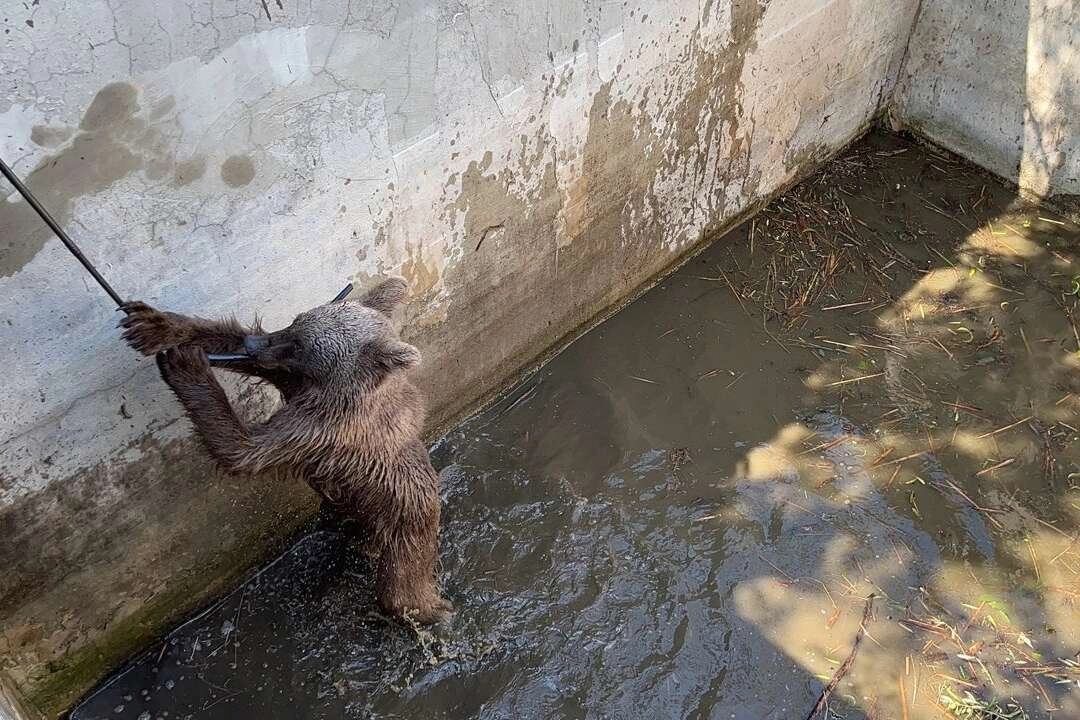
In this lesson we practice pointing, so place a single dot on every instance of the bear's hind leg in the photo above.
(405, 578)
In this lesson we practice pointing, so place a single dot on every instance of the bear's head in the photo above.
(345, 342)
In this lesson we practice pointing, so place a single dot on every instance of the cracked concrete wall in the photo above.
(998, 81)
(524, 165)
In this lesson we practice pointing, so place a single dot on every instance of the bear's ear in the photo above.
(385, 296)
(397, 355)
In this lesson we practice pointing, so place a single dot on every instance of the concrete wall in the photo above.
(523, 164)
(998, 81)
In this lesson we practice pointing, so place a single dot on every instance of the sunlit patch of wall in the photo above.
(998, 82)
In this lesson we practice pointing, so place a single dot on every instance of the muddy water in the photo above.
(866, 390)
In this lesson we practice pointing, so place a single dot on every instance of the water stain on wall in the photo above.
(237, 170)
(95, 159)
(623, 152)
(508, 217)
(421, 276)
(113, 140)
(808, 155)
(508, 203)
(163, 108)
(114, 104)
(190, 170)
(48, 136)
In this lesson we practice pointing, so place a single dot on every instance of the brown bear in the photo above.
(350, 423)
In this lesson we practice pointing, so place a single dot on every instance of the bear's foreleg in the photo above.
(235, 446)
(152, 331)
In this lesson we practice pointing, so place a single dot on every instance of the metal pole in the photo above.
(343, 294)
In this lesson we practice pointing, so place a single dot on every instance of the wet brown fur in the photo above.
(350, 423)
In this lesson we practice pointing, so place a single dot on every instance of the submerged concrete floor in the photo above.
(682, 514)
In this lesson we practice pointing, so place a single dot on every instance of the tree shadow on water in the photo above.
(950, 350)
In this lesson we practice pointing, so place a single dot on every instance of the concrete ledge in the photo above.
(11, 705)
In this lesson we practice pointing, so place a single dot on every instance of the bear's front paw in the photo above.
(185, 365)
(151, 331)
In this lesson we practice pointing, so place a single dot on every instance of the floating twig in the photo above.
(997, 466)
(847, 305)
(912, 456)
(823, 699)
(977, 506)
(1003, 429)
(854, 379)
(737, 379)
